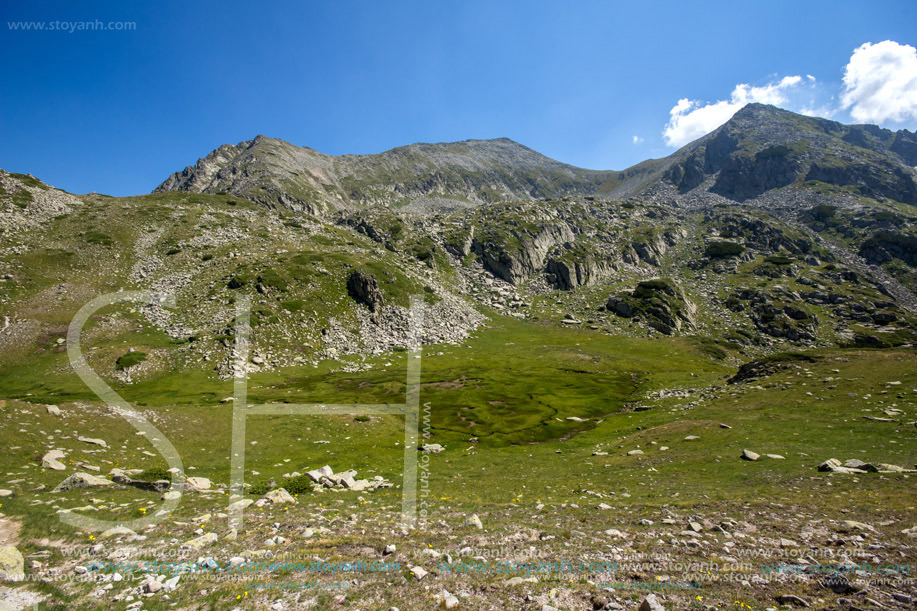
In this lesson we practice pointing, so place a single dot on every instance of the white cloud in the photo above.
(818, 111)
(691, 119)
(637, 139)
(880, 83)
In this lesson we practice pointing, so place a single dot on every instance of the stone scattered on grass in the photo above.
(93, 441)
(856, 466)
(202, 541)
(197, 483)
(280, 496)
(749, 455)
(651, 603)
(12, 564)
(316, 475)
(790, 599)
(240, 504)
(51, 460)
(82, 480)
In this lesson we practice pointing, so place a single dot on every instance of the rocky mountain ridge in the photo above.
(762, 148)
(438, 176)
(330, 261)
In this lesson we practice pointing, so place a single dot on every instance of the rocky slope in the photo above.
(763, 148)
(424, 176)
(751, 252)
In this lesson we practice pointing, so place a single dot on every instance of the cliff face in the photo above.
(523, 254)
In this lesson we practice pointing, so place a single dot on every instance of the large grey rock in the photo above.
(12, 564)
(854, 463)
(82, 480)
(363, 288)
(749, 455)
(791, 599)
(280, 496)
(51, 460)
(93, 441)
(202, 541)
(619, 307)
(197, 483)
(651, 603)
(833, 465)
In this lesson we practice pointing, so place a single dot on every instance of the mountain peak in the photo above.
(443, 175)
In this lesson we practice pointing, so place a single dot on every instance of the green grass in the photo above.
(153, 474)
(130, 359)
(517, 379)
(97, 237)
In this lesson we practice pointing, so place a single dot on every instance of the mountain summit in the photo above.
(442, 176)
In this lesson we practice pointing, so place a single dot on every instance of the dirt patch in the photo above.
(9, 531)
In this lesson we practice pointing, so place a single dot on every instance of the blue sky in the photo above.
(594, 84)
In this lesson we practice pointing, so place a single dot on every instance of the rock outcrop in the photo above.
(363, 288)
(660, 302)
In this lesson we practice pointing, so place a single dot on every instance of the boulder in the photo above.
(197, 483)
(619, 307)
(475, 521)
(82, 480)
(12, 564)
(363, 288)
(854, 463)
(749, 455)
(199, 542)
(316, 475)
(240, 504)
(833, 465)
(790, 599)
(93, 441)
(651, 603)
(51, 460)
(280, 497)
